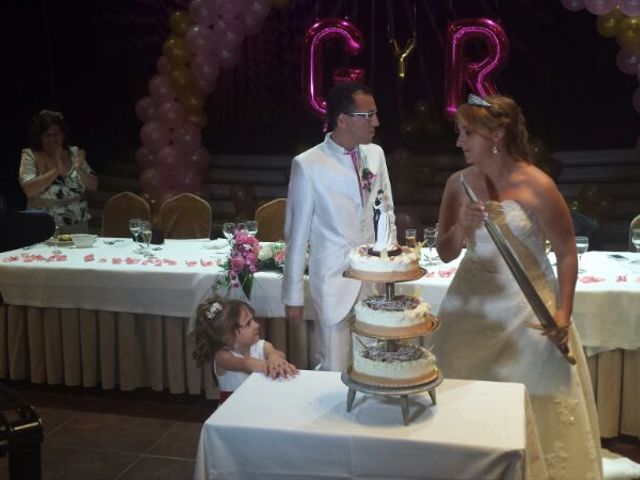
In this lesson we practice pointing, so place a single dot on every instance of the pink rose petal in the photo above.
(89, 258)
(116, 260)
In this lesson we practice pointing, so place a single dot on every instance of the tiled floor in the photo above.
(115, 435)
(95, 435)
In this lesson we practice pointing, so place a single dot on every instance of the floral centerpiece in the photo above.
(271, 256)
(242, 262)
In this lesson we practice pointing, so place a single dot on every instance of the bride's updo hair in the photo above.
(500, 113)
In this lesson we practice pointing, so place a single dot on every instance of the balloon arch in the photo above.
(208, 36)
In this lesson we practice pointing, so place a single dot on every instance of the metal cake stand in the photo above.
(402, 392)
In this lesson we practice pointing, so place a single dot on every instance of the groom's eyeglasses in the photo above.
(365, 115)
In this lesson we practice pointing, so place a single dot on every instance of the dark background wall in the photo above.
(92, 60)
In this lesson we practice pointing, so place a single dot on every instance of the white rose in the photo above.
(265, 252)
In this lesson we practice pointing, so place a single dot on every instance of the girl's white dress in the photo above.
(484, 336)
(229, 380)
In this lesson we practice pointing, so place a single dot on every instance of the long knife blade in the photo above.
(531, 294)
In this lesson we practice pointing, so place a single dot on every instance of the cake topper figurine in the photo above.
(381, 223)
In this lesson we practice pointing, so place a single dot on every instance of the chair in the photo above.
(185, 216)
(121, 208)
(635, 223)
(270, 218)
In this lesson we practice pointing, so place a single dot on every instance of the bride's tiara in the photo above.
(53, 113)
(477, 101)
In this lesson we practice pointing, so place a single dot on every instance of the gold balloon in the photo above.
(171, 41)
(629, 33)
(178, 55)
(198, 118)
(182, 80)
(179, 21)
(191, 101)
(609, 23)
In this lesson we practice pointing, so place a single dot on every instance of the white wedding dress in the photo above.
(484, 336)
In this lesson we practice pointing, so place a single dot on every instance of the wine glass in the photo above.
(430, 237)
(228, 229)
(241, 227)
(582, 245)
(135, 225)
(635, 240)
(56, 234)
(146, 232)
(252, 227)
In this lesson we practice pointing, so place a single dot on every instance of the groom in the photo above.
(329, 209)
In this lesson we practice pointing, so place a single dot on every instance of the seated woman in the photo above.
(55, 176)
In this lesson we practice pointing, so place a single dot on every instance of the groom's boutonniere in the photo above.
(366, 176)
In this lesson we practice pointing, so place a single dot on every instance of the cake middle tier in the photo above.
(401, 311)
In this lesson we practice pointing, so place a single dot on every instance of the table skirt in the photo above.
(88, 348)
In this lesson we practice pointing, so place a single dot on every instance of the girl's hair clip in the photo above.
(53, 113)
(477, 101)
(213, 310)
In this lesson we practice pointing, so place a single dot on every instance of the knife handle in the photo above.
(566, 353)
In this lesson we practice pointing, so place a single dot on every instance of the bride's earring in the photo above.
(495, 149)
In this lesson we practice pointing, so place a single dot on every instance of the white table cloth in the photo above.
(300, 429)
(103, 315)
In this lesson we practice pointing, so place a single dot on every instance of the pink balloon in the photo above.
(163, 65)
(171, 113)
(252, 24)
(187, 180)
(229, 57)
(160, 88)
(144, 157)
(205, 67)
(145, 109)
(203, 12)
(228, 34)
(477, 75)
(630, 7)
(627, 61)
(318, 34)
(187, 137)
(166, 195)
(199, 38)
(170, 157)
(258, 8)
(599, 7)
(198, 160)
(154, 135)
(635, 100)
(229, 9)
(154, 180)
(573, 5)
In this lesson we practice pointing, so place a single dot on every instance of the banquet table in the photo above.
(105, 315)
(300, 429)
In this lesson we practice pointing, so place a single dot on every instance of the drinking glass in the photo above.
(635, 238)
(582, 245)
(56, 234)
(252, 227)
(146, 232)
(410, 237)
(241, 226)
(228, 229)
(430, 238)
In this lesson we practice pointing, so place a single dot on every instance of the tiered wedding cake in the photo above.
(384, 352)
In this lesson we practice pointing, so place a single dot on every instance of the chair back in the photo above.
(270, 218)
(635, 223)
(185, 216)
(121, 208)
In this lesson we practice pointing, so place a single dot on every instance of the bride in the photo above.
(488, 331)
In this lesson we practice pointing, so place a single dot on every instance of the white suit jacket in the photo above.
(324, 210)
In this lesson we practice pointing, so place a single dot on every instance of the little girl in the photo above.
(228, 334)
